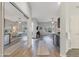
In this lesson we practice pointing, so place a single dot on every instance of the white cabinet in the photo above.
(6, 39)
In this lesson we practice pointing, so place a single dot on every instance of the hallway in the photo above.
(45, 24)
(57, 34)
(20, 34)
(44, 47)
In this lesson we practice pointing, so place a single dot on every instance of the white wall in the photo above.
(64, 29)
(29, 26)
(1, 29)
(24, 6)
(45, 26)
(35, 24)
(74, 24)
(24, 25)
(69, 20)
(8, 24)
(19, 26)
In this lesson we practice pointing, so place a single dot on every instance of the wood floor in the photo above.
(18, 49)
(44, 44)
(44, 47)
(22, 53)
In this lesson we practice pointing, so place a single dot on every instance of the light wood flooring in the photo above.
(44, 47)
(44, 44)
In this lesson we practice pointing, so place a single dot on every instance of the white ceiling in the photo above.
(11, 13)
(44, 11)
